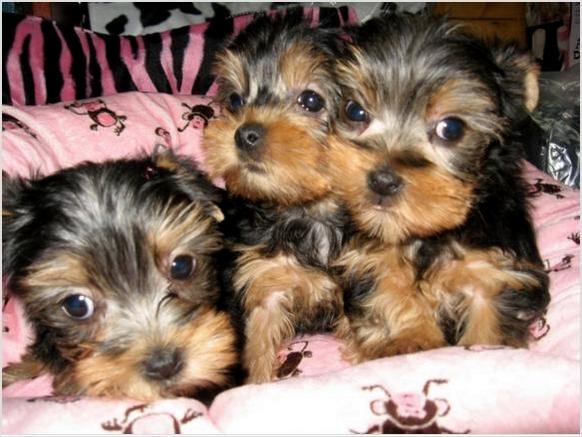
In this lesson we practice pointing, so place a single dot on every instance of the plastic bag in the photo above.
(558, 116)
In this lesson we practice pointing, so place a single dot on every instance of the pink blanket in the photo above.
(453, 389)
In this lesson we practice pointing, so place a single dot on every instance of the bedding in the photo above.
(44, 62)
(143, 18)
(478, 389)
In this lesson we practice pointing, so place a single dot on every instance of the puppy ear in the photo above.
(229, 70)
(519, 79)
(215, 212)
(190, 180)
(164, 158)
(15, 217)
(12, 187)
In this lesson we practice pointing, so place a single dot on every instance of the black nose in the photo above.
(384, 182)
(249, 136)
(163, 364)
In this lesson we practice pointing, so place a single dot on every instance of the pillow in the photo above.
(46, 138)
(45, 62)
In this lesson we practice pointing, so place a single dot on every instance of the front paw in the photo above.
(412, 343)
(258, 377)
(260, 371)
(518, 310)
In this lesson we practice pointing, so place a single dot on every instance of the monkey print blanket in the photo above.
(450, 390)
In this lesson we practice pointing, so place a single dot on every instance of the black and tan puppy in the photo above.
(427, 161)
(270, 147)
(114, 263)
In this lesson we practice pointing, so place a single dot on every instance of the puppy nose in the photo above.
(163, 364)
(384, 182)
(249, 136)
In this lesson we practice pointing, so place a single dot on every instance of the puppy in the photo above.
(114, 263)
(425, 158)
(269, 145)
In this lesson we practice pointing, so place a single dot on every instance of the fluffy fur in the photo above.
(115, 265)
(426, 160)
(270, 146)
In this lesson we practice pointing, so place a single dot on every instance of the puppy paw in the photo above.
(412, 344)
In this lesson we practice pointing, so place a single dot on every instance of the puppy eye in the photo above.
(450, 129)
(311, 101)
(78, 306)
(235, 101)
(182, 267)
(355, 112)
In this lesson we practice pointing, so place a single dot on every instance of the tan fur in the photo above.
(451, 97)
(289, 168)
(207, 343)
(532, 89)
(228, 67)
(183, 224)
(434, 181)
(397, 318)
(300, 66)
(357, 74)
(279, 292)
(526, 70)
(431, 201)
(401, 314)
(64, 269)
(469, 99)
(479, 276)
(168, 162)
(292, 164)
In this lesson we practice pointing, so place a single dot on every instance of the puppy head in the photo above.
(425, 107)
(277, 90)
(113, 263)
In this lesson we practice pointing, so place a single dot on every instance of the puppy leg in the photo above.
(388, 314)
(281, 296)
(267, 289)
(501, 296)
(268, 326)
(397, 323)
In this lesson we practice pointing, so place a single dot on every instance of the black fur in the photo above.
(36, 211)
(267, 34)
(292, 231)
(355, 289)
(312, 233)
(266, 37)
(411, 57)
(103, 213)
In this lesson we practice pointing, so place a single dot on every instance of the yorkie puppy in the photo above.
(426, 160)
(269, 145)
(114, 263)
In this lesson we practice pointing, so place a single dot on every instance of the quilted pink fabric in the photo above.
(461, 390)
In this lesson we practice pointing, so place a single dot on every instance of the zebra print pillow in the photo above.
(45, 62)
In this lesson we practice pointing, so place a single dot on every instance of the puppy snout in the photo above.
(163, 364)
(249, 137)
(384, 182)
